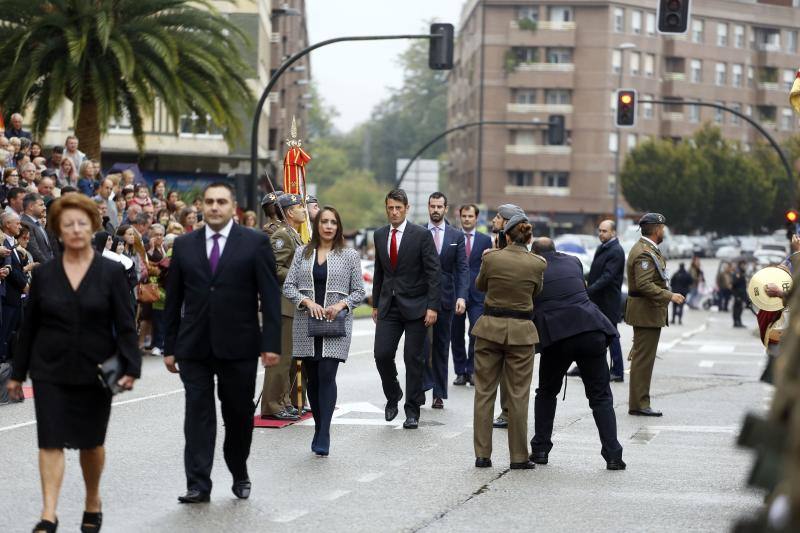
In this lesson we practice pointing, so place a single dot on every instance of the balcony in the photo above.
(768, 86)
(537, 149)
(536, 191)
(554, 109)
(275, 37)
(546, 67)
(672, 117)
(674, 76)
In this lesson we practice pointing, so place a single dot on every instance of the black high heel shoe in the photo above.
(46, 525)
(91, 522)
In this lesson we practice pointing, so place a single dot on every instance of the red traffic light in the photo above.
(792, 216)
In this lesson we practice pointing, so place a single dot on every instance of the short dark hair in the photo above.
(218, 185)
(469, 206)
(30, 199)
(398, 195)
(67, 188)
(57, 149)
(23, 230)
(649, 229)
(13, 192)
(437, 195)
(141, 218)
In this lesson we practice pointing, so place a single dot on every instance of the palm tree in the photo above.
(116, 58)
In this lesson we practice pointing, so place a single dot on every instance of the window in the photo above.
(528, 12)
(631, 141)
(559, 55)
(616, 61)
(636, 22)
(635, 61)
(788, 79)
(786, 118)
(558, 96)
(555, 179)
(738, 36)
(619, 20)
(791, 41)
(719, 77)
(735, 118)
(649, 65)
(123, 123)
(722, 34)
(697, 30)
(560, 14)
(719, 114)
(750, 77)
(613, 142)
(694, 113)
(524, 137)
(737, 74)
(520, 178)
(767, 113)
(748, 110)
(650, 23)
(697, 71)
(614, 102)
(526, 54)
(199, 125)
(524, 96)
(647, 108)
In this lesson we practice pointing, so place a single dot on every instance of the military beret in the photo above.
(652, 218)
(288, 200)
(507, 211)
(311, 199)
(516, 219)
(270, 198)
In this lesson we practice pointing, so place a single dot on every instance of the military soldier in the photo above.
(269, 204)
(276, 403)
(504, 339)
(646, 309)
(312, 204)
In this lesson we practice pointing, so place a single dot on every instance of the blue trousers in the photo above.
(321, 375)
(617, 366)
(464, 359)
(8, 326)
(437, 344)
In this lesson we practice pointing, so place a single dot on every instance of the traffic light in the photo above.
(556, 135)
(792, 219)
(440, 53)
(626, 108)
(673, 16)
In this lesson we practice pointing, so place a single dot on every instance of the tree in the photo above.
(359, 199)
(116, 58)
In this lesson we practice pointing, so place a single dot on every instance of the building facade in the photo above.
(524, 61)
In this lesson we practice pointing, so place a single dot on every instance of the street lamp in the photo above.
(285, 10)
(622, 47)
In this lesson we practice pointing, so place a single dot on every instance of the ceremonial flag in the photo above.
(294, 175)
(794, 94)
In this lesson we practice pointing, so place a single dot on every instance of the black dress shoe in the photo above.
(438, 403)
(574, 372)
(647, 411)
(616, 464)
(540, 458)
(617, 379)
(461, 380)
(500, 422)
(91, 522)
(241, 488)
(527, 465)
(281, 415)
(391, 408)
(411, 423)
(483, 462)
(471, 379)
(292, 410)
(194, 496)
(46, 525)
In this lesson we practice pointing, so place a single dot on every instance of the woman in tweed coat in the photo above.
(324, 279)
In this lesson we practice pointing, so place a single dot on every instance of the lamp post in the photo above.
(622, 47)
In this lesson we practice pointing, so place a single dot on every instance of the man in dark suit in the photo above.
(14, 283)
(405, 299)
(605, 287)
(476, 243)
(217, 278)
(571, 328)
(449, 243)
(39, 245)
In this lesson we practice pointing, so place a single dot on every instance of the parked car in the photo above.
(367, 273)
(701, 246)
(681, 247)
(766, 257)
(724, 241)
(727, 252)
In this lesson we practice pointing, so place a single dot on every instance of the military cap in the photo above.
(311, 199)
(270, 198)
(507, 211)
(652, 218)
(288, 200)
(514, 220)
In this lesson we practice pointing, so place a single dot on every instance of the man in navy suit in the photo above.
(475, 244)
(218, 278)
(450, 245)
(14, 283)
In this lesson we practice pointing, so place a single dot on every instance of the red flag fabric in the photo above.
(294, 179)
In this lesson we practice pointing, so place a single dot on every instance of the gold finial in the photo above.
(294, 141)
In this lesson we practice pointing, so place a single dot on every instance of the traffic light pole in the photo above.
(447, 132)
(284, 66)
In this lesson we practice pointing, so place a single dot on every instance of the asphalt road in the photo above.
(684, 471)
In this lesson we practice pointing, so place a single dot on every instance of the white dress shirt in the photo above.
(224, 232)
(400, 230)
(440, 230)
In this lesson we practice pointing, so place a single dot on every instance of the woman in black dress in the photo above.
(78, 315)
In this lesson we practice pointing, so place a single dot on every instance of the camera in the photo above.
(502, 242)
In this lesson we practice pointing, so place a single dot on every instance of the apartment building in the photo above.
(523, 61)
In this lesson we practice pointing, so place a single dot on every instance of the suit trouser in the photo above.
(236, 384)
(275, 394)
(8, 326)
(464, 360)
(387, 336)
(589, 353)
(512, 365)
(617, 366)
(437, 344)
(642, 358)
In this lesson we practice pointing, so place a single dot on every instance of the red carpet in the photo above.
(27, 392)
(262, 423)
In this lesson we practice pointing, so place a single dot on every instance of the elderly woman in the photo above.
(324, 280)
(78, 295)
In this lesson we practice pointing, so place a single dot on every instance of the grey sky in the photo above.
(353, 77)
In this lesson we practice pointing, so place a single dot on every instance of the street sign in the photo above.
(620, 212)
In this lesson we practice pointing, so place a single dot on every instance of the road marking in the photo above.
(709, 364)
(705, 364)
(726, 354)
(289, 516)
(667, 346)
(695, 429)
(369, 478)
(335, 495)
(452, 435)
(713, 348)
(644, 435)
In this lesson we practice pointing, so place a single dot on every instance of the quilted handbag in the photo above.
(328, 328)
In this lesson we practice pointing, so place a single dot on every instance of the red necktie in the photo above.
(393, 250)
(469, 244)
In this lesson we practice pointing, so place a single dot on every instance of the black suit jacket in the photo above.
(39, 245)
(216, 315)
(16, 281)
(453, 267)
(605, 279)
(481, 242)
(414, 286)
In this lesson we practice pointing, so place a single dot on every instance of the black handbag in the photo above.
(109, 372)
(328, 328)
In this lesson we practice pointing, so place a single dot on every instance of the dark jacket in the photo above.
(16, 281)
(217, 314)
(66, 333)
(414, 286)
(453, 267)
(681, 281)
(11, 132)
(605, 279)
(482, 242)
(39, 246)
(563, 308)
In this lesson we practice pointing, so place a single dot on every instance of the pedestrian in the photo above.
(724, 281)
(324, 282)
(250, 220)
(40, 246)
(572, 328)
(79, 295)
(213, 330)
(87, 177)
(504, 339)
(15, 284)
(698, 280)
(454, 277)
(56, 155)
(71, 151)
(646, 309)
(277, 400)
(680, 283)
(67, 173)
(475, 243)
(188, 218)
(739, 290)
(405, 300)
(272, 211)
(605, 288)
(15, 129)
(105, 192)
(312, 206)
